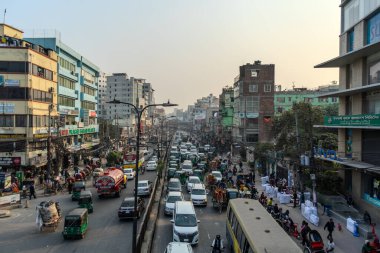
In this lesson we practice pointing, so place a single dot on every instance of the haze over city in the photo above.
(188, 49)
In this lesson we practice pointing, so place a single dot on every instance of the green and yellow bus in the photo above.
(251, 229)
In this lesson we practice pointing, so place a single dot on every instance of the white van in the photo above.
(185, 223)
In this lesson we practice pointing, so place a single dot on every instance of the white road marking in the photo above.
(208, 236)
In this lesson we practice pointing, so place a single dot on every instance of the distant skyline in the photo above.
(189, 49)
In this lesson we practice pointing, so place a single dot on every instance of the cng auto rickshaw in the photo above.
(232, 193)
(199, 173)
(76, 223)
(181, 175)
(85, 201)
(77, 188)
(171, 172)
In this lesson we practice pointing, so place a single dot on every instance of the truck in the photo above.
(111, 183)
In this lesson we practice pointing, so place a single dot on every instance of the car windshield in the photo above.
(185, 220)
(186, 167)
(198, 192)
(217, 174)
(142, 185)
(174, 184)
(194, 180)
(127, 204)
(128, 171)
(173, 199)
(233, 195)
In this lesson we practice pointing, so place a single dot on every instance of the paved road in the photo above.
(106, 233)
(211, 224)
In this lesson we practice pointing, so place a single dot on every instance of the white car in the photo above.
(151, 165)
(154, 158)
(191, 181)
(130, 173)
(198, 195)
(170, 200)
(179, 247)
(144, 187)
(187, 166)
(218, 175)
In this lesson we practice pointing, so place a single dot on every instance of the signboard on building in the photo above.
(8, 161)
(85, 117)
(66, 132)
(12, 83)
(353, 120)
(12, 136)
(373, 32)
(252, 115)
(92, 114)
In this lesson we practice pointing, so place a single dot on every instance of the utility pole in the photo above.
(298, 150)
(49, 142)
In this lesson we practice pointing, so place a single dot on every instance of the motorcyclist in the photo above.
(217, 245)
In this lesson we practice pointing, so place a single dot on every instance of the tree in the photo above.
(261, 154)
(113, 157)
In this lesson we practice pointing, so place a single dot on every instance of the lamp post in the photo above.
(139, 112)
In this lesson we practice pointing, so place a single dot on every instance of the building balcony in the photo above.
(69, 74)
(67, 92)
(84, 96)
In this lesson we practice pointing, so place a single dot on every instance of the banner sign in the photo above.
(353, 120)
(77, 131)
(6, 161)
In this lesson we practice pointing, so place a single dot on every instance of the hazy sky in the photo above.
(188, 49)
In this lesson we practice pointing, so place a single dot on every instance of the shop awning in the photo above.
(350, 57)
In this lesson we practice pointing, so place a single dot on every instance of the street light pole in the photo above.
(139, 113)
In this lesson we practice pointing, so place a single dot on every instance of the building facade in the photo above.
(284, 100)
(28, 95)
(358, 125)
(253, 103)
(226, 115)
(77, 95)
(102, 98)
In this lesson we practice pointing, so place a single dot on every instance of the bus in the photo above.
(251, 229)
(129, 160)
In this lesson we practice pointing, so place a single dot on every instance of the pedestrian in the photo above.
(330, 245)
(32, 191)
(302, 199)
(330, 227)
(305, 229)
(294, 198)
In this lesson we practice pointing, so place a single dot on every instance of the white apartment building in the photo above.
(102, 98)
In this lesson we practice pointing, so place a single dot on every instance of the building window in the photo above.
(66, 101)
(267, 87)
(280, 109)
(281, 99)
(254, 73)
(42, 96)
(252, 138)
(88, 90)
(66, 64)
(62, 81)
(88, 77)
(372, 103)
(334, 99)
(251, 105)
(20, 120)
(88, 105)
(14, 93)
(350, 41)
(6, 121)
(252, 88)
(14, 67)
(374, 69)
(308, 100)
(289, 99)
(42, 72)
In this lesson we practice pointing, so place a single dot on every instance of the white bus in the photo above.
(251, 229)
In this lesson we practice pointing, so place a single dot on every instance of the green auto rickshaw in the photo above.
(181, 175)
(171, 172)
(77, 188)
(199, 173)
(76, 223)
(85, 201)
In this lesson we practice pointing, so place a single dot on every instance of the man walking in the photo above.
(330, 227)
(32, 191)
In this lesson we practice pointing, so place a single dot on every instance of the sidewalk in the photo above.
(344, 240)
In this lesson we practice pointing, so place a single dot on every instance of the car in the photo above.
(187, 166)
(127, 208)
(179, 247)
(192, 180)
(170, 200)
(218, 175)
(144, 188)
(98, 172)
(174, 185)
(154, 158)
(151, 165)
(198, 195)
(185, 223)
(130, 173)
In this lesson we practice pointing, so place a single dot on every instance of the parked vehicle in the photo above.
(144, 187)
(76, 223)
(85, 201)
(111, 183)
(170, 201)
(127, 208)
(185, 223)
(198, 195)
(179, 247)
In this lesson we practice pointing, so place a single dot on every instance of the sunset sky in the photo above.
(188, 49)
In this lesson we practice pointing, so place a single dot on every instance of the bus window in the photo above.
(244, 244)
(238, 234)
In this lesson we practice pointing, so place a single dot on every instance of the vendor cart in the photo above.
(48, 215)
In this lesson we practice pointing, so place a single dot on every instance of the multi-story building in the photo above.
(77, 94)
(284, 99)
(102, 98)
(358, 122)
(28, 95)
(127, 90)
(226, 114)
(253, 103)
